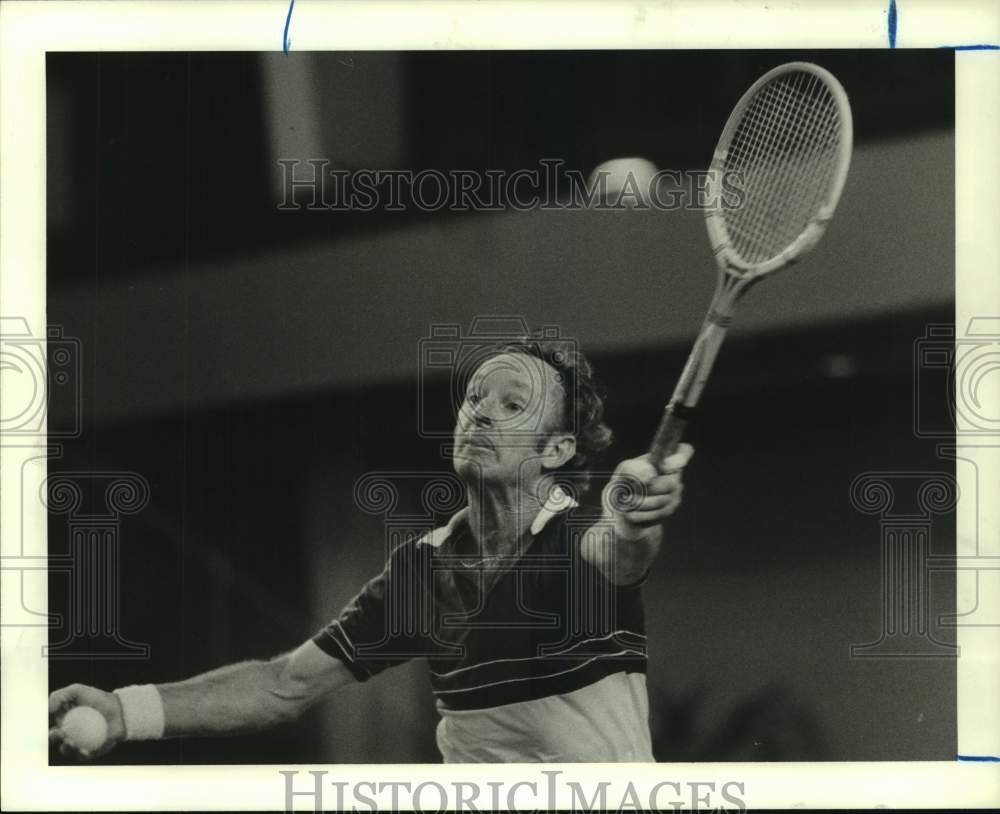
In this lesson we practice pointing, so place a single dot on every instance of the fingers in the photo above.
(644, 496)
(642, 469)
(650, 516)
(638, 495)
(679, 459)
(68, 750)
(57, 738)
(663, 484)
(650, 503)
(62, 700)
(654, 497)
(641, 505)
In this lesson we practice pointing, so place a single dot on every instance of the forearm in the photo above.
(624, 558)
(232, 700)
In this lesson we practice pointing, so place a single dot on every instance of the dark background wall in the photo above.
(253, 365)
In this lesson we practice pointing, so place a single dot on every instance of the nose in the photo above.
(481, 414)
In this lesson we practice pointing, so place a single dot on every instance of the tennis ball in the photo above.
(85, 728)
(629, 176)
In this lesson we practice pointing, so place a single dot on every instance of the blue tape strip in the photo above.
(285, 42)
(980, 758)
(892, 20)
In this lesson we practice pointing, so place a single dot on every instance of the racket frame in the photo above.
(736, 276)
(728, 260)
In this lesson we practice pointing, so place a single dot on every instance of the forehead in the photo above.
(519, 370)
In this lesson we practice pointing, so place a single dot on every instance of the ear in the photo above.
(559, 450)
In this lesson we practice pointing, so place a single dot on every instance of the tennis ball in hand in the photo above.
(85, 728)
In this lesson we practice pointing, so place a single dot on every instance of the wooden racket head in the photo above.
(786, 147)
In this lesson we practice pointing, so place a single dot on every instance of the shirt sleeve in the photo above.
(387, 623)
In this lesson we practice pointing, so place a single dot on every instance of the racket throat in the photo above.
(680, 409)
(702, 358)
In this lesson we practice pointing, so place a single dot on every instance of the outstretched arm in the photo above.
(232, 700)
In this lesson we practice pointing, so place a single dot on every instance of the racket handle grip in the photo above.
(669, 433)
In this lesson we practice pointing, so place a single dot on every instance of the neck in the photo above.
(500, 515)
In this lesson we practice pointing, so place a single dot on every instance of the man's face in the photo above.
(510, 418)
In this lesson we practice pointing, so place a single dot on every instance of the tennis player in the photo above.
(527, 608)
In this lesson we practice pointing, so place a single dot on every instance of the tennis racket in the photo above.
(788, 141)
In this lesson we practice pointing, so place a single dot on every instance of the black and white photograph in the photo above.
(547, 406)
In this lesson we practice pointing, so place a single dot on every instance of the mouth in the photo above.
(478, 442)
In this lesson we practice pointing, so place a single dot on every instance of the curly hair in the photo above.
(583, 399)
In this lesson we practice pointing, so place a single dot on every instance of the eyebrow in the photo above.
(516, 384)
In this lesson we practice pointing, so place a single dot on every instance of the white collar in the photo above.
(558, 501)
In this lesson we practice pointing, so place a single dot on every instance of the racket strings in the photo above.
(771, 186)
(771, 125)
(779, 206)
(785, 153)
(813, 158)
(755, 153)
(758, 141)
(783, 117)
(804, 119)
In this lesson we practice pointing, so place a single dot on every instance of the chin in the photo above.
(479, 472)
(467, 468)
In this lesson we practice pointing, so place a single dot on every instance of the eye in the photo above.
(473, 398)
(514, 406)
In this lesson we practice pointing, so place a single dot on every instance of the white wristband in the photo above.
(142, 708)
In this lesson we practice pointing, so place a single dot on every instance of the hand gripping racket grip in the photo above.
(669, 433)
